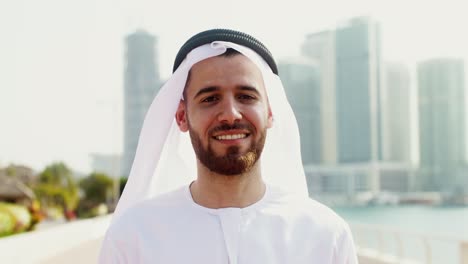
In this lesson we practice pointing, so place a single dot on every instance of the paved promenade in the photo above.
(80, 242)
(75, 242)
(87, 252)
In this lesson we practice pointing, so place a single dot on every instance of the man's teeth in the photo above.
(231, 137)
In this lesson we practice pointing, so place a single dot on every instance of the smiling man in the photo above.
(240, 207)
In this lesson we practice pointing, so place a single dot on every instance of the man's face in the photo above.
(226, 112)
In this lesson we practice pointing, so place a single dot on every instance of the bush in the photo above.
(17, 215)
(36, 214)
(7, 222)
(90, 210)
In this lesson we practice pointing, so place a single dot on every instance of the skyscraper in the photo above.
(141, 82)
(442, 120)
(320, 47)
(396, 106)
(301, 81)
(350, 78)
(358, 91)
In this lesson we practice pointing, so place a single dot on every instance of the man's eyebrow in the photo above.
(249, 88)
(206, 90)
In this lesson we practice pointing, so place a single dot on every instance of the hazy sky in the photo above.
(61, 61)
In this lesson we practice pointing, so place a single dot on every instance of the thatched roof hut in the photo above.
(13, 190)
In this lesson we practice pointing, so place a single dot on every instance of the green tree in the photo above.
(57, 187)
(97, 187)
(122, 183)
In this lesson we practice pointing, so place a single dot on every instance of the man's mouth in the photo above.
(231, 137)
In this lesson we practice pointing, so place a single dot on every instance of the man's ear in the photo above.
(270, 118)
(181, 116)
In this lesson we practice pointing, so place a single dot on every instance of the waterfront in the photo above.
(431, 220)
(423, 233)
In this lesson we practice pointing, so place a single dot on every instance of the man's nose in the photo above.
(229, 112)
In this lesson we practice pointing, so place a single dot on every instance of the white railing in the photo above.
(390, 245)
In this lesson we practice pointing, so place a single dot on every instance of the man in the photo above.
(243, 206)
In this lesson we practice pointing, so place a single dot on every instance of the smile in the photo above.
(231, 137)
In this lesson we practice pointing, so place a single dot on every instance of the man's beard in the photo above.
(233, 162)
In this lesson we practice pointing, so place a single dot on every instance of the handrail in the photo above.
(379, 233)
(387, 229)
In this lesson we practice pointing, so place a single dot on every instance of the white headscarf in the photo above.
(165, 159)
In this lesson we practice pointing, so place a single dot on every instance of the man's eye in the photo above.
(246, 97)
(210, 99)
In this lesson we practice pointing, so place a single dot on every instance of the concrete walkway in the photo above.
(87, 252)
(74, 242)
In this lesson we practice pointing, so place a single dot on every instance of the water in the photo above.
(431, 220)
(441, 227)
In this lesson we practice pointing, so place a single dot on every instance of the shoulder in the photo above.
(151, 211)
(311, 221)
(146, 221)
(308, 211)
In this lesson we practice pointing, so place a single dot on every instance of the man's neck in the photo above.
(212, 190)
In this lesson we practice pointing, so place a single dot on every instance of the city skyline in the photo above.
(61, 96)
(374, 115)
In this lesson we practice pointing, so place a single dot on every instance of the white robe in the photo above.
(280, 228)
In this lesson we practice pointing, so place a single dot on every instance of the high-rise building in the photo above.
(106, 163)
(301, 81)
(396, 103)
(442, 121)
(358, 67)
(141, 82)
(349, 63)
(320, 47)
